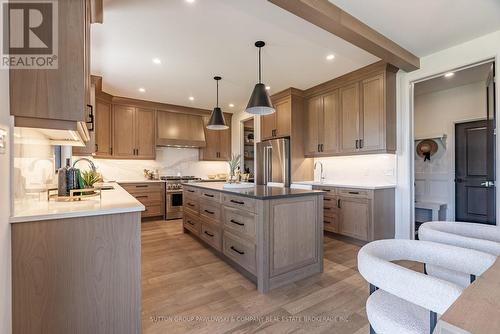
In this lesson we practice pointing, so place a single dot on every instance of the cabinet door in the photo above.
(329, 123)
(354, 217)
(349, 117)
(267, 126)
(123, 131)
(212, 139)
(283, 118)
(372, 114)
(314, 111)
(103, 129)
(145, 125)
(225, 141)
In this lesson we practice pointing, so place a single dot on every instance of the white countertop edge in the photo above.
(102, 212)
(347, 185)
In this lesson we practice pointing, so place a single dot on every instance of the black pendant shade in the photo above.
(260, 102)
(217, 121)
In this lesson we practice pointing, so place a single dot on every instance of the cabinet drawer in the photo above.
(240, 222)
(329, 191)
(210, 195)
(210, 210)
(191, 204)
(239, 202)
(133, 188)
(149, 197)
(330, 211)
(358, 193)
(240, 251)
(153, 210)
(192, 224)
(191, 191)
(331, 223)
(211, 234)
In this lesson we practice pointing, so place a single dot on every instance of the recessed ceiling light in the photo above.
(268, 87)
(191, 98)
(142, 90)
(231, 105)
(449, 74)
(157, 61)
(190, 1)
(330, 57)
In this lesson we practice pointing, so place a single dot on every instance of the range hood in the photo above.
(180, 130)
(58, 133)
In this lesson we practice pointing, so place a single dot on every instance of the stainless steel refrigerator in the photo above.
(273, 161)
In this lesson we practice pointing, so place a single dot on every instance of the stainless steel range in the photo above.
(173, 196)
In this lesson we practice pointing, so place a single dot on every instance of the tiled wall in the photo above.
(169, 161)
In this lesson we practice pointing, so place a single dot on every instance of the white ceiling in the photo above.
(426, 26)
(460, 78)
(196, 41)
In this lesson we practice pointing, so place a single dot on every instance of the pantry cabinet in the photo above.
(353, 114)
(218, 142)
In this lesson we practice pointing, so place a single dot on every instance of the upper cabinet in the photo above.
(278, 124)
(57, 98)
(353, 114)
(218, 142)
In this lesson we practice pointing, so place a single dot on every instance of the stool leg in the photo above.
(373, 288)
(372, 331)
(433, 321)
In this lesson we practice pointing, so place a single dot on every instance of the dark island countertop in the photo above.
(258, 191)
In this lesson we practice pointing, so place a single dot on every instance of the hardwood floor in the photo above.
(187, 289)
(183, 278)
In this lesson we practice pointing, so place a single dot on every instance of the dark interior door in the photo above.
(474, 192)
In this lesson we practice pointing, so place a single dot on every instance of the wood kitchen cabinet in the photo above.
(218, 142)
(353, 114)
(103, 135)
(278, 124)
(322, 124)
(354, 217)
(133, 132)
(57, 98)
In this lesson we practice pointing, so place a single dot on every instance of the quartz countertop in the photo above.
(112, 201)
(139, 181)
(258, 191)
(349, 184)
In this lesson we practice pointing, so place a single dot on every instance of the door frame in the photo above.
(409, 142)
(241, 140)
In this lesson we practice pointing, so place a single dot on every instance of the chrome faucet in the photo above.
(322, 177)
(91, 164)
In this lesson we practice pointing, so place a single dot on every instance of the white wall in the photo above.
(5, 254)
(479, 49)
(169, 161)
(437, 113)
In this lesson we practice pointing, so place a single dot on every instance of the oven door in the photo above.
(174, 205)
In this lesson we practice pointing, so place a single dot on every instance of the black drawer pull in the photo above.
(327, 199)
(189, 190)
(208, 195)
(190, 222)
(354, 192)
(326, 208)
(191, 204)
(209, 234)
(326, 222)
(145, 196)
(327, 190)
(237, 202)
(209, 212)
(237, 223)
(338, 203)
(237, 251)
(141, 186)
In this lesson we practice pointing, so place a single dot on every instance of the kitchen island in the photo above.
(272, 235)
(77, 265)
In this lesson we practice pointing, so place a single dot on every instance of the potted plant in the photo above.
(234, 164)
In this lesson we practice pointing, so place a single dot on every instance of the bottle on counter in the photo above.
(67, 179)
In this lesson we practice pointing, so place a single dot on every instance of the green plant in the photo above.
(90, 177)
(234, 163)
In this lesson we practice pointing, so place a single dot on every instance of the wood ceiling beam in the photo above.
(331, 18)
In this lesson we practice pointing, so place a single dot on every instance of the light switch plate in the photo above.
(3, 141)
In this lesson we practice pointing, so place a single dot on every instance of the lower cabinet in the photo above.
(363, 214)
(151, 195)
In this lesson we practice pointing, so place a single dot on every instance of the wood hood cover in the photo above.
(180, 130)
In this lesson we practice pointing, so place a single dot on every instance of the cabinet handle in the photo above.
(354, 192)
(209, 212)
(190, 222)
(237, 251)
(318, 147)
(209, 234)
(237, 223)
(141, 186)
(96, 147)
(111, 151)
(145, 196)
(326, 208)
(191, 204)
(189, 190)
(326, 222)
(237, 202)
(357, 143)
(208, 195)
(338, 203)
(327, 190)
(327, 199)
(322, 148)
(361, 142)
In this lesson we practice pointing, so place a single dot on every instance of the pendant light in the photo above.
(260, 103)
(217, 121)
